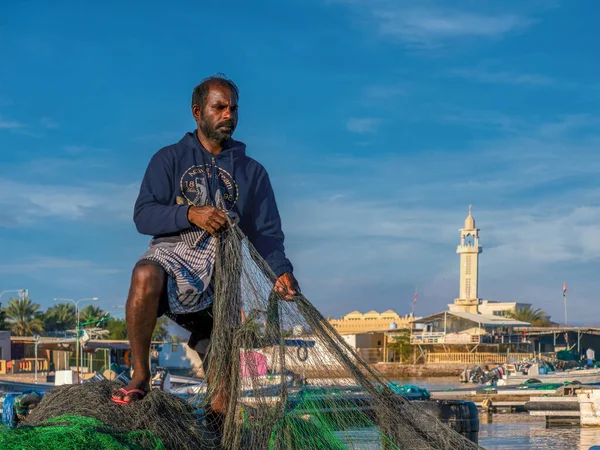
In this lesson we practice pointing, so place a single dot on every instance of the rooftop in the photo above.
(485, 320)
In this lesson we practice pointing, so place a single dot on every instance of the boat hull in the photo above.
(575, 376)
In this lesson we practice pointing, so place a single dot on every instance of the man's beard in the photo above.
(216, 133)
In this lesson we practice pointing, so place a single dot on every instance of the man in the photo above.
(191, 192)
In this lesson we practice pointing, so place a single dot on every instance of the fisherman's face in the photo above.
(218, 118)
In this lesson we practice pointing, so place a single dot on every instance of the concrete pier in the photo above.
(589, 407)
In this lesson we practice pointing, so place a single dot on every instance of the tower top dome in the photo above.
(469, 221)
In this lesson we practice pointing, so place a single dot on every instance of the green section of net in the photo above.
(75, 432)
(313, 424)
(293, 433)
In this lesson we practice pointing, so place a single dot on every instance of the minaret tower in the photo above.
(469, 250)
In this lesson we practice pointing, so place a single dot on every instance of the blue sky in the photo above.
(379, 121)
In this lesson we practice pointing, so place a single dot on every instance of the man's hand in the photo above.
(287, 286)
(208, 218)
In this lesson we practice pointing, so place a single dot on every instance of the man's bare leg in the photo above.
(147, 284)
(219, 400)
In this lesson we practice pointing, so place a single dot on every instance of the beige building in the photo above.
(357, 322)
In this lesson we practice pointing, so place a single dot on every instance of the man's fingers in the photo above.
(285, 293)
(216, 226)
(219, 216)
(281, 289)
(220, 220)
(208, 227)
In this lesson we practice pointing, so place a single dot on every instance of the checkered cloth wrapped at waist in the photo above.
(189, 264)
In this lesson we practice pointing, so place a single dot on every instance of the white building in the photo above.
(177, 355)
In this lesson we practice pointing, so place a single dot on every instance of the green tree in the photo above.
(24, 317)
(536, 317)
(90, 312)
(117, 329)
(161, 330)
(401, 346)
(60, 317)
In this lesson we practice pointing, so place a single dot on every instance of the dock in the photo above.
(572, 404)
(496, 400)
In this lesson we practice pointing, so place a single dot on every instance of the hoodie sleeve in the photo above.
(267, 236)
(153, 213)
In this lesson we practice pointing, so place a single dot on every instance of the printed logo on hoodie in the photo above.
(195, 183)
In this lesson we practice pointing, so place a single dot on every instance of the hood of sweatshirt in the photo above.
(185, 174)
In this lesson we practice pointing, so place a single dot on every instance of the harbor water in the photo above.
(518, 430)
(521, 431)
(504, 432)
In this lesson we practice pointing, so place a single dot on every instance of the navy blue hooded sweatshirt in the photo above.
(186, 174)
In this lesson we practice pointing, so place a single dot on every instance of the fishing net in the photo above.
(283, 378)
(160, 417)
(279, 377)
(75, 432)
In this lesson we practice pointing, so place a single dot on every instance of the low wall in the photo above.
(395, 370)
(26, 365)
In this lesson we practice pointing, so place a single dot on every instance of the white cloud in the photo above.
(8, 124)
(47, 122)
(428, 27)
(25, 203)
(383, 92)
(45, 263)
(363, 125)
(76, 149)
(482, 75)
(431, 24)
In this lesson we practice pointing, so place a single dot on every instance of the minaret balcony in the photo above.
(469, 249)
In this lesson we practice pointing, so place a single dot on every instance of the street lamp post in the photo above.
(37, 340)
(91, 299)
(22, 293)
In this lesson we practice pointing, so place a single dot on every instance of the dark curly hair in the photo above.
(201, 91)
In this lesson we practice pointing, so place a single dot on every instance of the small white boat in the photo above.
(536, 374)
(511, 375)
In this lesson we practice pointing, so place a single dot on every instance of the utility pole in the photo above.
(415, 297)
(23, 293)
(565, 301)
(77, 329)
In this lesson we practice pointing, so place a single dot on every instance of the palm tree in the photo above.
(60, 317)
(24, 317)
(90, 312)
(536, 317)
(117, 329)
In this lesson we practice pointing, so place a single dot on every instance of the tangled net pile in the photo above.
(74, 432)
(82, 416)
(290, 381)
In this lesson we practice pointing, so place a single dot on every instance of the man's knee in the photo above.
(147, 280)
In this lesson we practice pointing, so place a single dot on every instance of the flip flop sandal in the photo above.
(126, 392)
